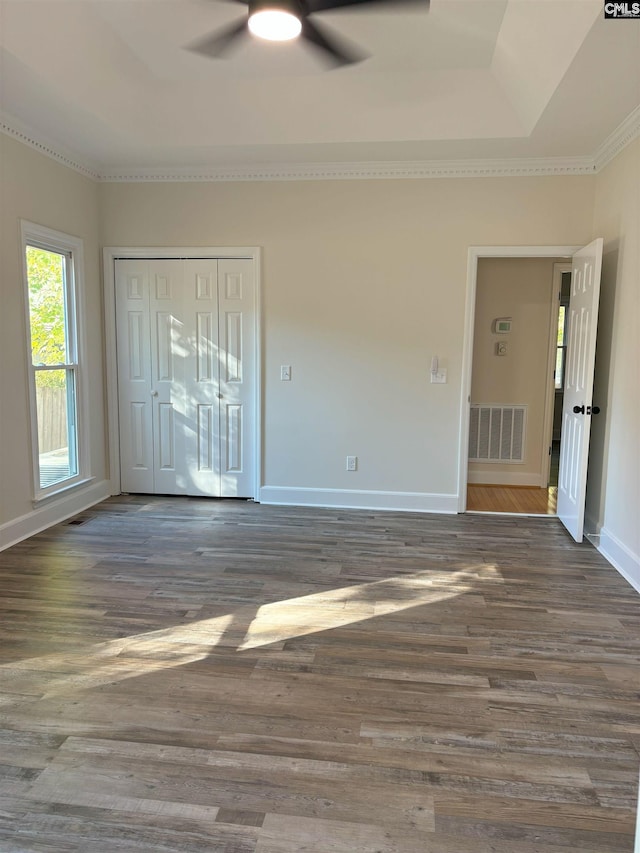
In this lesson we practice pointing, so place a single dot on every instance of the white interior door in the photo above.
(169, 340)
(134, 376)
(237, 392)
(186, 378)
(578, 389)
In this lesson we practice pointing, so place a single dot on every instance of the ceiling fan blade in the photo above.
(325, 5)
(219, 42)
(336, 51)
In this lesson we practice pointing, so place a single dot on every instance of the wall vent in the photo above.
(496, 433)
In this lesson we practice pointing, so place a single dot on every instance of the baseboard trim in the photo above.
(359, 499)
(506, 478)
(40, 519)
(620, 557)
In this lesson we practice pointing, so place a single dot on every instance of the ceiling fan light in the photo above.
(275, 25)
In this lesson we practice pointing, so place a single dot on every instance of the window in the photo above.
(52, 272)
(561, 351)
(563, 321)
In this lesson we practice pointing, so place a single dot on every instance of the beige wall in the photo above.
(35, 188)
(613, 489)
(520, 288)
(362, 283)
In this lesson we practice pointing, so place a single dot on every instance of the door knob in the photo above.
(578, 410)
(154, 393)
(593, 410)
(219, 396)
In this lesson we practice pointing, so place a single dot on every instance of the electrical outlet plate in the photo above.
(352, 463)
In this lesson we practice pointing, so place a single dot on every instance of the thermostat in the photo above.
(502, 325)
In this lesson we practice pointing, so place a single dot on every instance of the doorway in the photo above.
(183, 353)
(514, 355)
(578, 407)
(552, 253)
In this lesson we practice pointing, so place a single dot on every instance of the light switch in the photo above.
(285, 372)
(501, 348)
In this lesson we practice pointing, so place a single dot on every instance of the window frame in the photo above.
(71, 248)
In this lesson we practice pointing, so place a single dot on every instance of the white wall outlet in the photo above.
(439, 377)
(285, 372)
(352, 463)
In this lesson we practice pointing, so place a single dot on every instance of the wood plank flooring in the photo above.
(219, 676)
(518, 499)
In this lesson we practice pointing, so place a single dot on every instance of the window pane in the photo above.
(561, 316)
(559, 368)
(56, 426)
(46, 278)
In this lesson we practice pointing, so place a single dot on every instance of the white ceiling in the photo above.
(109, 82)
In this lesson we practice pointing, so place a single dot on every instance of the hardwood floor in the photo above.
(219, 676)
(509, 499)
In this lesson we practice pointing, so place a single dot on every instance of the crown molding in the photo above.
(13, 128)
(622, 136)
(362, 171)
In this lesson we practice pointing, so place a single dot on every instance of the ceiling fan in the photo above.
(283, 20)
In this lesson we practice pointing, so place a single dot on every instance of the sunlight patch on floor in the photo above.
(298, 617)
(244, 629)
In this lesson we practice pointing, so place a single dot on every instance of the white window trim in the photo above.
(57, 241)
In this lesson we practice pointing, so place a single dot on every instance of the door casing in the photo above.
(474, 255)
(112, 253)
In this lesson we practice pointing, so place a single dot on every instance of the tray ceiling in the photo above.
(111, 82)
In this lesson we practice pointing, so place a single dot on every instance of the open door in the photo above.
(578, 405)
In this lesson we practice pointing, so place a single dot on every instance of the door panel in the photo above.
(166, 438)
(167, 347)
(200, 299)
(205, 346)
(236, 307)
(138, 341)
(578, 390)
(166, 325)
(206, 436)
(232, 354)
(233, 438)
(140, 429)
(134, 376)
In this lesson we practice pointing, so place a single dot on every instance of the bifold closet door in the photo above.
(186, 385)
(236, 378)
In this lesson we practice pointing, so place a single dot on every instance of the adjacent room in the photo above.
(320, 460)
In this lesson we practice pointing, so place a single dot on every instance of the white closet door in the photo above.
(236, 359)
(134, 376)
(169, 346)
(201, 383)
(186, 376)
